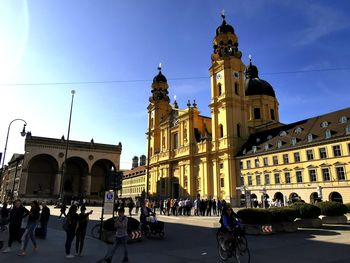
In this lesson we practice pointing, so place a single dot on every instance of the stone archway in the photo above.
(294, 197)
(73, 180)
(99, 177)
(42, 170)
(314, 198)
(335, 197)
(278, 198)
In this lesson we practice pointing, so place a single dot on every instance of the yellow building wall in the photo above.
(307, 187)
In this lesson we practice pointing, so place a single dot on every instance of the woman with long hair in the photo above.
(33, 220)
(72, 221)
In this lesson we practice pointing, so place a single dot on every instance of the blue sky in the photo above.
(123, 41)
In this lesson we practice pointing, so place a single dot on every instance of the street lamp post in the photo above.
(14, 180)
(64, 170)
(23, 133)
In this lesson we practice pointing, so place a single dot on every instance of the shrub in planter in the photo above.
(282, 214)
(332, 208)
(254, 216)
(306, 211)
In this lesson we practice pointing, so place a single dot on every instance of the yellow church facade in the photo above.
(192, 155)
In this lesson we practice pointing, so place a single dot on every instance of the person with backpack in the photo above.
(70, 223)
(121, 237)
(33, 220)
(83, 221)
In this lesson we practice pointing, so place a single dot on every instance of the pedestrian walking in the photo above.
(44, 219)
(83, 221)
(4, 215)
(121, 237)
(63, 210)
(70, 226)
(17, 213)
(33, 220)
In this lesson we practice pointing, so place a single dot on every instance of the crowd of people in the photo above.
(26, 224)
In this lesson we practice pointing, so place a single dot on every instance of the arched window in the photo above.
(238, 130)
(236, 88)
(272, 113)
(219, 89)
(221, 131)
(283, 133)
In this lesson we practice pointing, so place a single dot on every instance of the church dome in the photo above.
(160, 77)
(224, 28)
(256, 86)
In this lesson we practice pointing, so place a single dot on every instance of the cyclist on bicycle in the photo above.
(229, 224)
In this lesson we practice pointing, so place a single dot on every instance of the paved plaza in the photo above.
(192, 240)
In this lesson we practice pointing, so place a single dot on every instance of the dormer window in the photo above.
(347, 131)
(309, 138)
(257, 140)
(254, 149)
(324, 124)
(266, 147)
(294, 141)
(279, 144)
(328, 134)
(298, 130)
(244, 151)
(343, 119)
(269, 137)
(283, 133)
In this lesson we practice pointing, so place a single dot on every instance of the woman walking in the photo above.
(71, 227)
(83, 221)
(33, 220)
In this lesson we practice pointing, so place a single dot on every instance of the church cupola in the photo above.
(225, 42)
(262, 101)
(159, 87)
(254, 85)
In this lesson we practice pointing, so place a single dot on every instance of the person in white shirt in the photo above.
(121, 237)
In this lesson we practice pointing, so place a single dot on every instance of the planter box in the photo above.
(334, 219)
(308, 222)
(268, 229)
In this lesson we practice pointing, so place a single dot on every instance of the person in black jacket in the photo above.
(4, 214)
(81, 230)
(73, 219)
(17, 213)
(33, 220)
(44, 219)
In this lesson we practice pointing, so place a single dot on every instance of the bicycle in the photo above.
(235, 246)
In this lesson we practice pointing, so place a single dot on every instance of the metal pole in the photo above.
(148, 154)
(7, 138)
(14, 180)
(64, 170)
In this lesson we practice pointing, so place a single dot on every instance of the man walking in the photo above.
(44, 219)
(17, 213)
